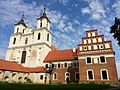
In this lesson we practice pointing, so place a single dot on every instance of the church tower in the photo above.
(30, 47)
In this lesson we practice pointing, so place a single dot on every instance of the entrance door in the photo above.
(67, 80)
(67, 77)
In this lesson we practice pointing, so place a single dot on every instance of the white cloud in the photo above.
(95, 9)
(116, 8)
(64, 2)
(86, 10)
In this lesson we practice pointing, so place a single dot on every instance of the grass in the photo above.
(10, 86)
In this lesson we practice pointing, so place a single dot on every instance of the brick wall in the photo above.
(110, 66)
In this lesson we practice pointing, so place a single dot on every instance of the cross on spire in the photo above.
(22, 15)
(44, 13)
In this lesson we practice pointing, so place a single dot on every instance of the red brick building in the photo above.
(91, 61)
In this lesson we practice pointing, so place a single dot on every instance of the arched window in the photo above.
(55, 76)
(40, 24)
(39, 36)
(14, 41)
(90, 75)
(48, 37)
(23, 30)
(104, 74)
(23, 58)
(26, 40)
(17, 30)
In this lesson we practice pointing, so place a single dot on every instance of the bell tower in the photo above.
(43, 21)
(20, 26)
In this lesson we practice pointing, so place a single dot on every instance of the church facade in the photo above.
(31, 57)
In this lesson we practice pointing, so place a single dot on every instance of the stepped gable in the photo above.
(94, 44)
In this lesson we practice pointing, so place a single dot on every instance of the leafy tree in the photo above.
(115, 30)
(50, 69)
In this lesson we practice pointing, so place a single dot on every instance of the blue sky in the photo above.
(70, 19)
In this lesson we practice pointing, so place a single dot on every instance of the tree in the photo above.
(50, 68)
(115, 30)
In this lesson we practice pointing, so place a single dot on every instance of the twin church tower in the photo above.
(30, 47)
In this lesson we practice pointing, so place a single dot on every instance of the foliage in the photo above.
(115, 30)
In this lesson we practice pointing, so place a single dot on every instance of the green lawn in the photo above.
(7, 86)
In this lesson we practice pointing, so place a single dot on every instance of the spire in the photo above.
(22, 16)
(44, 13)
(22, 20)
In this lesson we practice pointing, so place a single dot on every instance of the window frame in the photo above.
(64, 65)
(58, 65)
(102, 74)
(104, 59)
(75, 64)
(39, 36)
(90, 60)
(41, 78)
(75, 75)
(92, 74)
(23, 59)
(54, 76)
(48, 36)
(26, 40)
(14, 40)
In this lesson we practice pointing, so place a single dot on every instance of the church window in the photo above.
(104, 74)
(26, 40)
(90, 75)
(102, 59)
(46, 66)
(23, 30)
(75, 64)
(55, 76)
(59, 66)
(48, 37)
(41, 77)
(89, 61)
(47, 24)
(65, 65)
(40, 24)
(23, 58)
(14, 41)
(39, 36)
(76, 76)
(17, 30)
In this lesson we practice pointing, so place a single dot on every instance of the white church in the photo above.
(30, 47)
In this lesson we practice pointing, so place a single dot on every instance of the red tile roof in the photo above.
(12, 66)
(59, 55)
